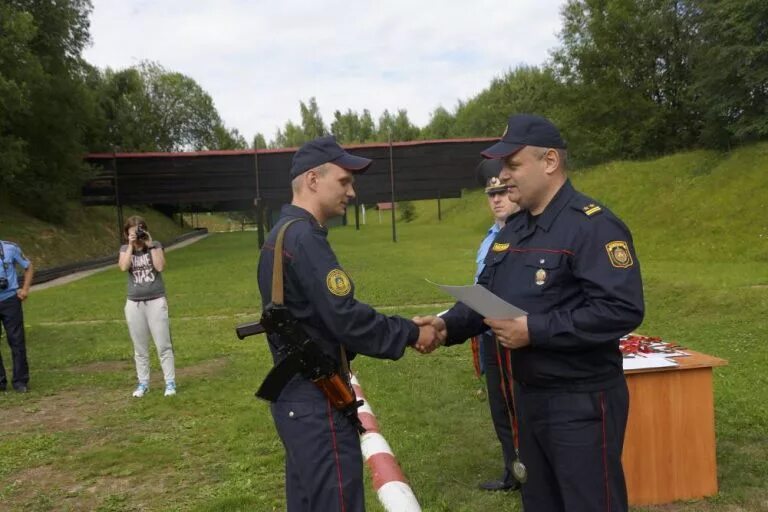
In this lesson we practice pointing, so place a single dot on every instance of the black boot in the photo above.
(506, 483)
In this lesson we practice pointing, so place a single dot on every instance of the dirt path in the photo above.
(85, 273)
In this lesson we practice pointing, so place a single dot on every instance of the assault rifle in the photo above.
(302, 355)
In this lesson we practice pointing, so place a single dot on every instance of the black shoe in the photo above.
(506, 483)
(21, 388)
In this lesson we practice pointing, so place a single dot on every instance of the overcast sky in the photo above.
(258, 59)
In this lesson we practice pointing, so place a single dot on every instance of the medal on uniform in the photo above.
(541, 276)
(519, 471)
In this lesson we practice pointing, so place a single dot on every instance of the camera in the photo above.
(3, 283)
(141, 233)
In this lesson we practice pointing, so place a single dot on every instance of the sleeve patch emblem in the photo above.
(338, 282)
(500, 247)
(618, 253)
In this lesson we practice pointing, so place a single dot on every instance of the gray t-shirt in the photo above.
(144, 282)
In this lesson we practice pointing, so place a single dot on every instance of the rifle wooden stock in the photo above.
(337, 391)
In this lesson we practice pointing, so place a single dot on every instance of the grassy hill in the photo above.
(87, 233)
(693, 206)
(78, 441)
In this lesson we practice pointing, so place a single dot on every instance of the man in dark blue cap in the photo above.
(323, 467)
(571, 264)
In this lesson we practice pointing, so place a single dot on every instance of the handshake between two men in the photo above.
(433, 332)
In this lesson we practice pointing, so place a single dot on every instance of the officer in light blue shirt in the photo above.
(11, 315)
(491, 360)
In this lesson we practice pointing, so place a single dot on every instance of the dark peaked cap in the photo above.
(486, 170)
(323, 150)
(525, 130)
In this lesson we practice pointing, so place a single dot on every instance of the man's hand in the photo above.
(432, 333)
(22, 294)
(512, 333)
(428, 340)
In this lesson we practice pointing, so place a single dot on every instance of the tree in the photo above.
(311, 121)
(228, 138)
(398, 127)
(346, 127)
(19, 70)
(526, 89)
(259, 142)
(44, 102)
(311, 127)
(440, 125)
(149, 108)
(731, 70)
(626, 65)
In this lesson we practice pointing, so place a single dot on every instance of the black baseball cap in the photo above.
(323, 150)
(525, 130)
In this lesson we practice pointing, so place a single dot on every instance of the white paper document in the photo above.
(482, 301)
(640, 363)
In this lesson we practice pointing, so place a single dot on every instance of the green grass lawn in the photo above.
(78, 441)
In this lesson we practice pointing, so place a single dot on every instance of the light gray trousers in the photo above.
(145, 319)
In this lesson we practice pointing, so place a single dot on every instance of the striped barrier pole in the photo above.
(388, 480)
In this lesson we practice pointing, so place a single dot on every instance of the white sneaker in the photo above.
(141, 390)
(170, 388)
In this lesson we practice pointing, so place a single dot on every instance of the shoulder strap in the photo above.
(277, 268)
(277, 286)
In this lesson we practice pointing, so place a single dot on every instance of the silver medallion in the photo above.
(519, 471)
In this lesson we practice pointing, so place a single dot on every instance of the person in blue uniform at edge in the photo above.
(492, 361)
(571, 264)
(323, 459)
(11, 313)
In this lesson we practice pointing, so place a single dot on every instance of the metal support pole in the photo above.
(439, 210)
(392, 187)
(260, 223)
(357, 215)
(118, 203)
(257, 201)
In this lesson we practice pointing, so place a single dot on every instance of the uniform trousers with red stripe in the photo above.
(571, 444)
(323, 459)
(499, 396)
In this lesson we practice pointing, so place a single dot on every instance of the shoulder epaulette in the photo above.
(591, 209)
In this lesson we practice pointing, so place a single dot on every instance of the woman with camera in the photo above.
(146, 309)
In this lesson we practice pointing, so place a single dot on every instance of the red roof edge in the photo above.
(233, 152)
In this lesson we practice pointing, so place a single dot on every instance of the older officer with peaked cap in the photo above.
(571, 264)
(490, 359)
(323, 467)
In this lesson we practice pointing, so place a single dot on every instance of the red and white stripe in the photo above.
(391, 486)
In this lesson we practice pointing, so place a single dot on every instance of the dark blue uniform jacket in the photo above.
(321, 296)
(574, 269)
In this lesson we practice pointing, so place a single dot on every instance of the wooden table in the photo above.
(669, 448)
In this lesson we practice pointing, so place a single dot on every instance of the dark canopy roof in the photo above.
(231, 180)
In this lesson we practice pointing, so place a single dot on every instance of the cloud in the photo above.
(258, 59)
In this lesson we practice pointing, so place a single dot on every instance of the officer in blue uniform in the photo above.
(493, 361)
(571, 264)
(323, 469)
(11, 314)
